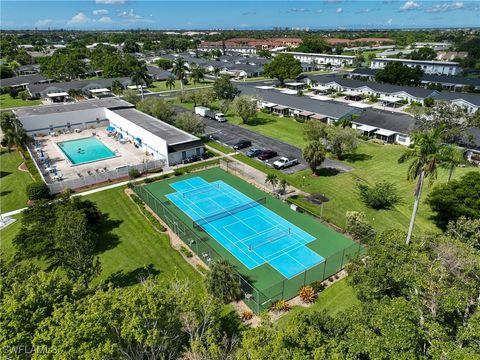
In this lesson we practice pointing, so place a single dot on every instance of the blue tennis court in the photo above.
(252, 233)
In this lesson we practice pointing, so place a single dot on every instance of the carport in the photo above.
(390, 101)
(366, 130)
(385, 135)
(280, 110)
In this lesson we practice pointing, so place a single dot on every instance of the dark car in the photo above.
(267, 154)
(253, 152)
(242, 144)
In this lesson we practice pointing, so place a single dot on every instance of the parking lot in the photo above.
(229, 134)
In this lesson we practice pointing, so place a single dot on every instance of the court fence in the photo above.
(257, 300)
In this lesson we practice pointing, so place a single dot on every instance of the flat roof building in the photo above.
(427, 66)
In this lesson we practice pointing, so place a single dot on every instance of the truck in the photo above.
(284, 163)
(206, 112)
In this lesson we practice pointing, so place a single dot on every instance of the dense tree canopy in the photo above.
(283, 67)
(398, 74)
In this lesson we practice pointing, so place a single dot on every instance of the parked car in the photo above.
(267, 154)
(284, 163)
(242, 144)
(253, 152)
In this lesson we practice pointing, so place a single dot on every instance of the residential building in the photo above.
(428, 66)
(322, 59)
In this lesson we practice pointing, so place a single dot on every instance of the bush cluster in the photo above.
(382, 195)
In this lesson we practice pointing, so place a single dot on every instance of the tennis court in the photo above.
(252, 233)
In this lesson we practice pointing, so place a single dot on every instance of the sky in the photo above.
(171, 15)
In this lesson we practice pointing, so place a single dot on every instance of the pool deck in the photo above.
(128, 154)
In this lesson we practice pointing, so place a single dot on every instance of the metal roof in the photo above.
(109, 103)
(21, 80)
(77, 85)
(331, 109)
(399, 123)
(165, 131)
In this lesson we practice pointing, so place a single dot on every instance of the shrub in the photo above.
(280, 305)
(178, 172)
(359, 228)
(247, 315)
(222, 281)
(317, 286)
(307, 294)
(149, 180)
(382, 195)
(133, 173)
(186, 252)
(38, 191)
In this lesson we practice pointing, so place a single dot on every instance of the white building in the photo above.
(157, 138)
(428, 66)
(322, 59)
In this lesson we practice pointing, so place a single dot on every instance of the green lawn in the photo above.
(337, 298)
(132, 243)
(6, 101)
(372, 163)
(13, 182)
(161, 85)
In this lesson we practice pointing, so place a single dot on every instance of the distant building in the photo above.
(323, 59)
(451, 55)
(437, 46)
(428, 66)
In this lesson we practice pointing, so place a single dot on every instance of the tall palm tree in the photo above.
(13, 132)
(170, 83)
(272, 179)
(140, 77)
(197, 73)
(427, 153)
(452, 156)
(180, 69)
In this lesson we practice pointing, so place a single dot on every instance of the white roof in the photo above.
(390, 99)
(265, 87)
(360, 105)
(289, 92)
(57, 94)
(352, 92)
(96, 91)
(367, 128)
(322, 98)
(321, 87)
(294, 84)
(268, 104)
(385, 132)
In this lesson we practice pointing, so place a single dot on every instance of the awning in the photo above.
(321, 87)
(384, 132)
(306, 113)
(110, 129)
(390, 99)
(97, 91)
(57, 94)
(294, 84)
(138, 140)
(360, 105)
(289, 92)
(366, 128)
(319, 117)
(352, 93)
(321, 98)
(268, 104)
(280, 107)
(265, 87)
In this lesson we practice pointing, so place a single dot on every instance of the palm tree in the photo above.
(452, 156)
(197, 73)
(180, 69)
(140, 77)
(427, 156)
(13, 131)
(314, 154)
(271, 179)
(170, 83)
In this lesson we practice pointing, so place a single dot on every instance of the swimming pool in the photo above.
(85, 150)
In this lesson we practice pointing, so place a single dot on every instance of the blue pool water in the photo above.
(253, 234)
(85, 150)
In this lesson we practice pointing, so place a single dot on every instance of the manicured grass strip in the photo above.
(337, 298)
(162, 86)
(13, 182)
(222, 148)
(6, 101)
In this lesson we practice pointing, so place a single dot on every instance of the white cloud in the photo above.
(105, 20)
(128, 15)
(389, 22)
(319, 11)
(339, 10)
(446, 7)
(80, 18)
(299, 10)
(48, 22)
(410, 5)
(100, 12)
(111, 2)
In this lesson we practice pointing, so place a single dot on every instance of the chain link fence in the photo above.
(258, 300)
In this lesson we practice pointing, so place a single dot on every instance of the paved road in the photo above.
(229, 134)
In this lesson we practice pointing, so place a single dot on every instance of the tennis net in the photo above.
(197, 224)
(200, 190)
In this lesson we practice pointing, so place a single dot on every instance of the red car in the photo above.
(267, 154)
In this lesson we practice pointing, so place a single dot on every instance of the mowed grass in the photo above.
(335, 299)
(13, 182)
(162, 85)
(6, 101)
(131, 245)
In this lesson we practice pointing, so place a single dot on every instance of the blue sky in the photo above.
(322, 14)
